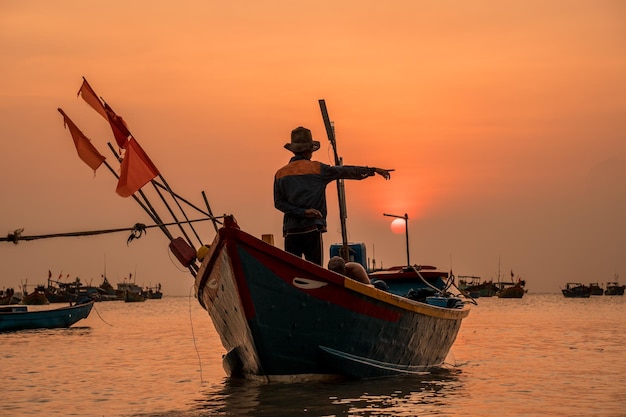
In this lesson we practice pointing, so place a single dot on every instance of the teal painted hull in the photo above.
(22, 319)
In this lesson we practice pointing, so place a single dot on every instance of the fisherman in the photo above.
(300, 193)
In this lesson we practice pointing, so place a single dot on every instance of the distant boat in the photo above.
(37, 297)
(513, 289)
(8, 297)
(596, 289)
(154, 293)
(17, 317)
(475, 288)
(129, 292)
(576, 290)
(134, 297)
(613, 288)
(106, 290)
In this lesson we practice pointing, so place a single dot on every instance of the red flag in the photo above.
(136, 170)
(91, 98)
(86, 151)
(120, 130)
(49, 274)
(118, 126)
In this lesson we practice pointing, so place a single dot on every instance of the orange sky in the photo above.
(505, 122)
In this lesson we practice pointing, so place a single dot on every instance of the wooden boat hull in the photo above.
(35, 298)
(18, 318)
(282, 318)
(515, 291)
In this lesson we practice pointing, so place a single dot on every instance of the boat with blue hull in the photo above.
(18, 317)
(281, 318)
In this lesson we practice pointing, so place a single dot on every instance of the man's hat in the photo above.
(301, 141)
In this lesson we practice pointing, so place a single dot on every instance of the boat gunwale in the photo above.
(231, 231)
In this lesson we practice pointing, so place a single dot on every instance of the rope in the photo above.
(136, 231)
(193, 337)
(98, 313)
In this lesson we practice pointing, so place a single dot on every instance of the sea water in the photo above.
(542, 355)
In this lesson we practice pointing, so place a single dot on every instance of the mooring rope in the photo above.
(193, 336)
(136, 232)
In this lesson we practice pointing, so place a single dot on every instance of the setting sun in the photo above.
(398, 226)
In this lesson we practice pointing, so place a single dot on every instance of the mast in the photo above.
(341, 193)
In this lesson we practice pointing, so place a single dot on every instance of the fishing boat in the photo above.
(134, 297)
(475, 288)
(511, 289)
(37, 297)
(130, 292)
(8, 297)
(576, 290)
(18, 317)
(154, 293)
(613, 288)
(596, 289)
(106, 290)
(280, 317)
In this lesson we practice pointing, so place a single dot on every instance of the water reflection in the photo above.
(401, 396)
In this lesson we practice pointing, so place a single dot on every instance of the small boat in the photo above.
(281, 318)
(576, 290)
(8, 297)
(130, 292)
(106, 291)
(596, 289)
(134, 297)
(17, 317)
(154, 293)
(475, 288)
(511, 289)
(60, 293)
(37, 297)
(613, 288)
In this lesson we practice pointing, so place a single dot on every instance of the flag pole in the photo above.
(210, 212)
(179, 207)
(193, 268)
(182, 229)
(150, 211)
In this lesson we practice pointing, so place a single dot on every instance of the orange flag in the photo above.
(136, 170)
(86, 151)
(90, 96)
(118, 126)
